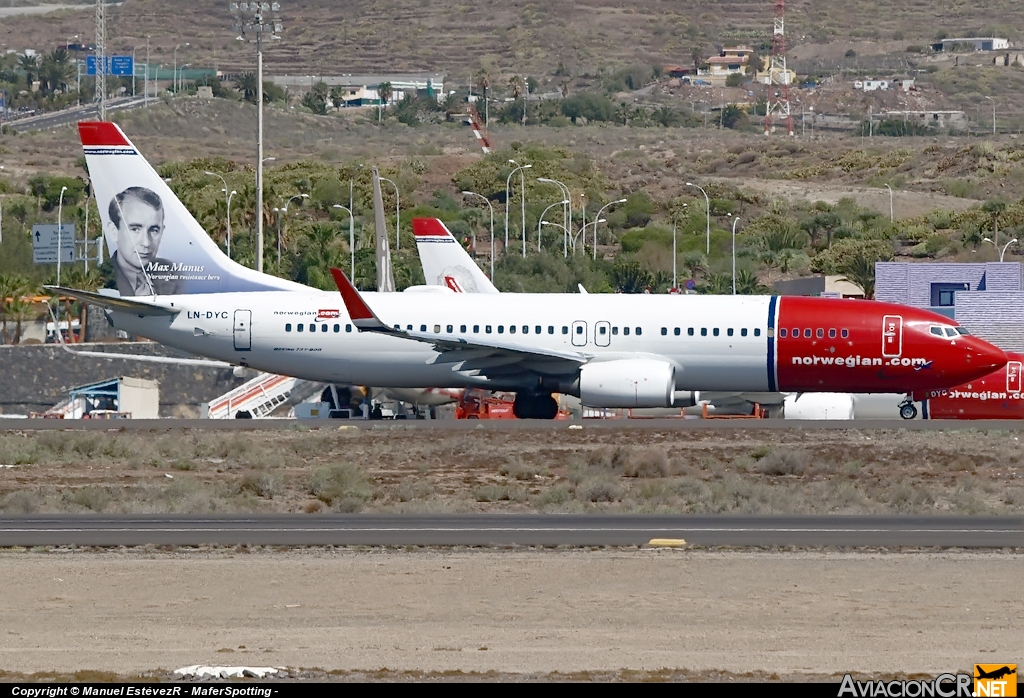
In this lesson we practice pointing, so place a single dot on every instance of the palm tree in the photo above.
(517, 86)
(10, 288)
(860, 270)
(75, 277)
(450, 102)
(322, 242)
(249, 86)
(994, 207)
(30, 64)
(385, 92)
(483, 81)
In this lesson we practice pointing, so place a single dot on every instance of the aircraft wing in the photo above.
(470, 355)
(125, 305)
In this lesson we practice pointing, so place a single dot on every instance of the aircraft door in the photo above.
(602, 333)
(579, 334)
(243, 330)
(892, 335)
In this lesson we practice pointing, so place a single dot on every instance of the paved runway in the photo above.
(508, 424)
(540, 530)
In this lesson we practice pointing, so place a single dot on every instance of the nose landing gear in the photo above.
(907, 409)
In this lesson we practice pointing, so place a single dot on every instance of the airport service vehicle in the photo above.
(177, 287)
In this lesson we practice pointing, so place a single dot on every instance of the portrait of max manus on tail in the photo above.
(136, 223)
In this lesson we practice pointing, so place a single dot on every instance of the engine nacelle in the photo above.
(628, 383)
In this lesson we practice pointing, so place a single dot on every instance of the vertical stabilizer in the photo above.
(445, 262)
(155, 245)
(385, 279)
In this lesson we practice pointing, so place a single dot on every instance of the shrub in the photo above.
(343, 485)
(599, 490)
(265, 485)
(647, 462)
(783, 463)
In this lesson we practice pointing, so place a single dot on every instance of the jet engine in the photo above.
(627, 383)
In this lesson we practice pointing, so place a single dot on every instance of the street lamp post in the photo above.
(707, 202)
(145, 91)
(522, 185)
(734, 222)
(598, 219)
(567, 213)
(228, 195)
(541, 220)
(60, 230)
(175, 80)
(488, 202)
(891, 218)
(1002, 251)
(993, 114)
(351, 241)
(284, 209)
(398, 239)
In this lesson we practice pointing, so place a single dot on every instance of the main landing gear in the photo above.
(907, 409)
(534, 406)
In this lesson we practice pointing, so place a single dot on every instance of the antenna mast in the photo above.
(778, 85)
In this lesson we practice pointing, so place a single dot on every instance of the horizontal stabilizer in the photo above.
(124, 305)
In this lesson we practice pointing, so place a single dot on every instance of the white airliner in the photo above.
(178, 288)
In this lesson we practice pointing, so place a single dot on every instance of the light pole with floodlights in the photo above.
(891, 218)
(488, 202)
(351, 241)
(707, 203)
(250, 17)
(175, 80)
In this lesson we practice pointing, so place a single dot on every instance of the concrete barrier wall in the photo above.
(34, 378)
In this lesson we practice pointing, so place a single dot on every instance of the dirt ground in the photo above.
(400, 469)
(798, 615)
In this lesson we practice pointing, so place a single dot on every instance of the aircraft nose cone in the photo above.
(983, 355)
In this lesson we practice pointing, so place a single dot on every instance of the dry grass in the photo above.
(405, 470)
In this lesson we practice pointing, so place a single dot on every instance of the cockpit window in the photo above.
(963, 331)
(951, 332)
(936, 330)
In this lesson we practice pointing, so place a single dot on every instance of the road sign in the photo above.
(45, 240)
(116, 65)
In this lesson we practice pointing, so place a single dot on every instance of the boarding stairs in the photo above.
(258, 397)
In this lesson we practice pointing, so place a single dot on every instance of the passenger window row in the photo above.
(715, 331)
(312, 327)
(808, 333)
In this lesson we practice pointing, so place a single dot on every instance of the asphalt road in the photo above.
(9, 424)
(510, 529)
(73, 115)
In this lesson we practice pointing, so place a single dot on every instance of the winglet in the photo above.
(362, 317)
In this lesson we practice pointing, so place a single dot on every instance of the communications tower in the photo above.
(778, 86)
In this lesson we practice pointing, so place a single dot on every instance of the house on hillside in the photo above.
(973, 43)
(732, 60)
